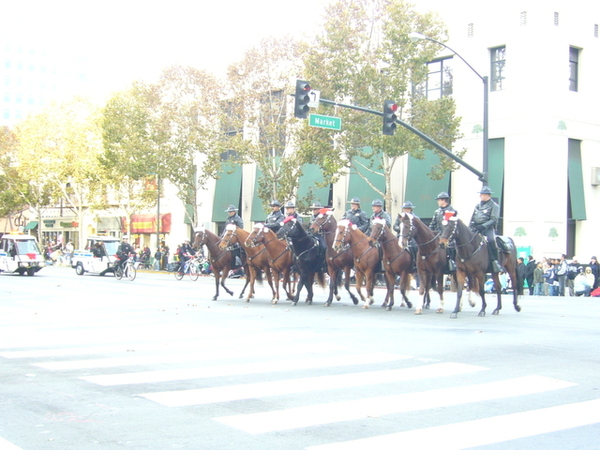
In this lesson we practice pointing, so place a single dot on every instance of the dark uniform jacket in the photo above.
(380, 215)
(438, 217)
(486, 214)
(358, 218)
(274, 219)
(235, 219)
(295, 216)
(397, 223)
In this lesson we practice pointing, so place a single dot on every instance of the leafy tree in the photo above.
(58, 155)
(15, 192)
(259, 85)
(365, 56)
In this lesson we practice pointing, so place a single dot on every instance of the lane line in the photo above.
(256, 390)
(157, 376)
(480, 432)
(328, 413)
(213, 354)
(7, 445)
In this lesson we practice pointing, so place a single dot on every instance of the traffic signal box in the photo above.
(301, 99)
(389, 117)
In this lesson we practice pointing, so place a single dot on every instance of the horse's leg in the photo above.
(224, 274)
(267, 272)
(440, 291)
(390, 282)
(217, 279)
(333, 279)
(299, 286)
(347, 272)
(310, 280)
(513, 279)
(370, 275)
(460, 281)
(359, 281)
(404, 286)
(252, 276)
(423, 289)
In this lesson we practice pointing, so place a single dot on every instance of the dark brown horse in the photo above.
(337, 262)
(222, 261)
(431, 258)
(472, 261)
(256, 257)
(366, 257)
(281, 258)
(396, 262)
(309, 257)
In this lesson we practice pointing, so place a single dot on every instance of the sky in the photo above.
(129, 40)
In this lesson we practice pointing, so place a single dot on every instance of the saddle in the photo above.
(505, 244)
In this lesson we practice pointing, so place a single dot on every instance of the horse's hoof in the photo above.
(426, 307)
(365, 307)
(247, 300)
(371, 301)
(241, 296)
(402, 305)
(482, 313)
(418, 312)
(439, 311)
(472, 304)
(309, 302)
(355, 301)
(389, 308)
(495, 312)
(294, 303)
(326, 304)
(338, 297)
(214, 299)
(518, 308)
(453, 315)
(409, 305)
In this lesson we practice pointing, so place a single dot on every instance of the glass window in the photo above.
(498, 59)
(439, 80)
(573, 68)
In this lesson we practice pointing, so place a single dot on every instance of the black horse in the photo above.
(310, 256)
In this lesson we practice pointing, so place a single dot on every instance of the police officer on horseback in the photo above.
(274, 219)
(290, 210)
(412, 248)
(444, 206)
(316, 208)
(238, 222)
(379, 213)
(356, 216)
(484, 220)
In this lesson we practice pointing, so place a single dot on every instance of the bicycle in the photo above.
(129, 271)
(190, 267)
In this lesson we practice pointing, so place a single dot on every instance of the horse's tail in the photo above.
(321, 279)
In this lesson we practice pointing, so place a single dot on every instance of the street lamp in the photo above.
(414, 36)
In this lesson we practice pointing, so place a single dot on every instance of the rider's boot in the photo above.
(451, 266)
(496, 267)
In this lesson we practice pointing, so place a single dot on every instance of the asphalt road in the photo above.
(90, 362)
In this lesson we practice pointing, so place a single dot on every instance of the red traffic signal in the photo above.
(302, 98)
(389, 117)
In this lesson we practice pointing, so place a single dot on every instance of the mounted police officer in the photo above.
(290, 210)
(412, 247)
(379, 213)
(444, 206)
(238, 222)
(484, 220)
(316, 209)
(274, 219)
(356, 216)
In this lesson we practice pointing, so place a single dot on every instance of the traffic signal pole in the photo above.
(422, 135)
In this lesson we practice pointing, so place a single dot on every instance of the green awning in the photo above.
(31, 225)
(228, 191)
(576, 193)
(496, 168)
(307, 185)
(359, 187)
(258, 213)
(422, 190)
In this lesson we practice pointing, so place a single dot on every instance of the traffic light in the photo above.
(389, 117)
(301, 99)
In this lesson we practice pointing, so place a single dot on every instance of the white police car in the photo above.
(20, 253)
(98, 257)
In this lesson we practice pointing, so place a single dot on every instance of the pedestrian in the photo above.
(357, 216)
(521, 275)
(561, 274)
(531, 265)
(538, 279)
(595, 271)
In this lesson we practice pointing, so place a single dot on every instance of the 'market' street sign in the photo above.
(332, 123)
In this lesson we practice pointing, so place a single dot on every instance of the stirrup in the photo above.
(451, 266)
(496, 267)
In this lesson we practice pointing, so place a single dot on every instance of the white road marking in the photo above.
(241, 369)
(313, 415)
(6, 445)
(257, 390)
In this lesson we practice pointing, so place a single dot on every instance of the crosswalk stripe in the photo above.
(480, 432)
(6, 445)
(162, 358)
(241, 369)
(256, 390)
(374, 407)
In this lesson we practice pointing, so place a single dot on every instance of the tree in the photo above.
(365, 56)
(15, 193)
(58, 155)
(258, 86)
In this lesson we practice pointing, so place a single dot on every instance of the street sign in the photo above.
(332, 123)
(314, 98)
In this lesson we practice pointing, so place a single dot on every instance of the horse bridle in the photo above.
(327, 220)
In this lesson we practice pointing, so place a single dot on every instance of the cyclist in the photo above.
(185, 253)
(123, 252)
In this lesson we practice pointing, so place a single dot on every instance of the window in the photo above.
(439, 80)
(498, 59)
(573, 68)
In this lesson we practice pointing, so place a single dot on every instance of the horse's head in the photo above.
(229, 237)
(449, 226)
(325, 222)
(342, 234)
(257, 236)
(289, 228)
(377, 229)
(407, 228)
(199, 238)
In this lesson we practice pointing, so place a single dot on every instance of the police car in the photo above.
(98, 257)
(20, 253)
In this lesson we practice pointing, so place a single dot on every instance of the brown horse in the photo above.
(281, 258)
(221, 260)
(431, 258)
(396, 261)
(472, 261)
(366, 256)
(257, 257)
(337, 262)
